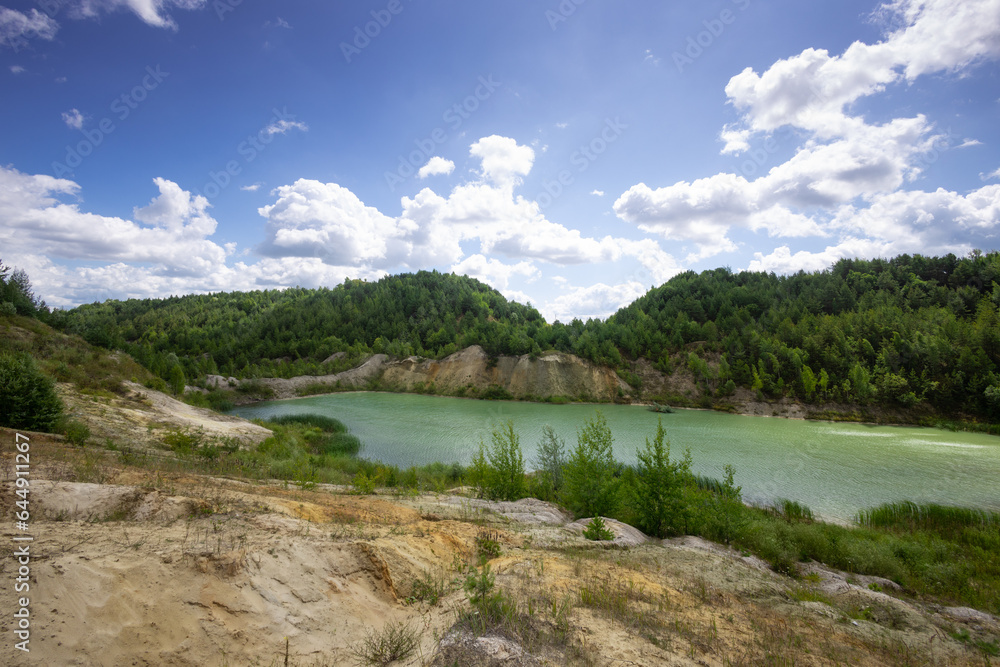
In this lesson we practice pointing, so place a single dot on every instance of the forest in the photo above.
(902, 332)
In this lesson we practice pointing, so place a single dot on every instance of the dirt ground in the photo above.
(144, 416)
(151, 568)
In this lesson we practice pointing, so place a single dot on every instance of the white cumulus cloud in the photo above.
(597, 301)
(494, 272)
(73, 118)
(812, 89)
(504, 161)
(436, 166)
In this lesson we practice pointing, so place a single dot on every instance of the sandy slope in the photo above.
(551, 374)
(142, 417)
(183, 570)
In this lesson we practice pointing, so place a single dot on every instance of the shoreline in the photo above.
(782, 409)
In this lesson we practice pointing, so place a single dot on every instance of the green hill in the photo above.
(910, 332)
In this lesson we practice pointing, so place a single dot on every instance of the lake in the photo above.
(834, 468)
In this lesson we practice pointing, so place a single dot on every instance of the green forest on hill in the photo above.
(911, 331)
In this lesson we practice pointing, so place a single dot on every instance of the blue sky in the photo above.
(571, 154)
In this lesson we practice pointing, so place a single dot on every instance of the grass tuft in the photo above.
(395, 641)
(942, 519)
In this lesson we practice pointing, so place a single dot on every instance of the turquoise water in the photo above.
(836, 469)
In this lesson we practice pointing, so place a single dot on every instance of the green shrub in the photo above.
(488, 545)
(364, 484)
(255, 389)
(591, 487)
(549, 464)
(76, 433)
(428, 588)
(28, 397)
(492, 609)
(395, 641)
(183, 442)
(503, 470)
(220, 400)
(339, 444)
(496, 393)
(598, 531)
(659, 488)
(176, 380)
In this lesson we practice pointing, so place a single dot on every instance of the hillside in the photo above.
(918, 337)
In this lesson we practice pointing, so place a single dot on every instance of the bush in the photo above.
(491, 609)
(591, 487)
(429, 589)
(488, 545)
(505, 473)
(76, 433)
(395, 641)
(28, 397)
(659, 488)
(364, 485)
(598, 531)
(549, 463)
(496, 393)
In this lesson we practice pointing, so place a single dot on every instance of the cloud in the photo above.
(165, 250)
(315, 233)
(596, 301)
(16, 28)
(898, 223)
(17, 69)
(842, 161)
(283, 126)
(151, 12)
(253, 187)
(597, 193)
(657, 266)
(436, 166)
(797, 198)
(503, 160)
(781, 260)
(494, 272)
(701, 211)
(327, 222)
(737, 140)
(812, 89)
(990, 176)
(174, 238)
(942, 219)
(73, 118)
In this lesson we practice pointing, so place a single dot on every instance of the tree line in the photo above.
(911, 331)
